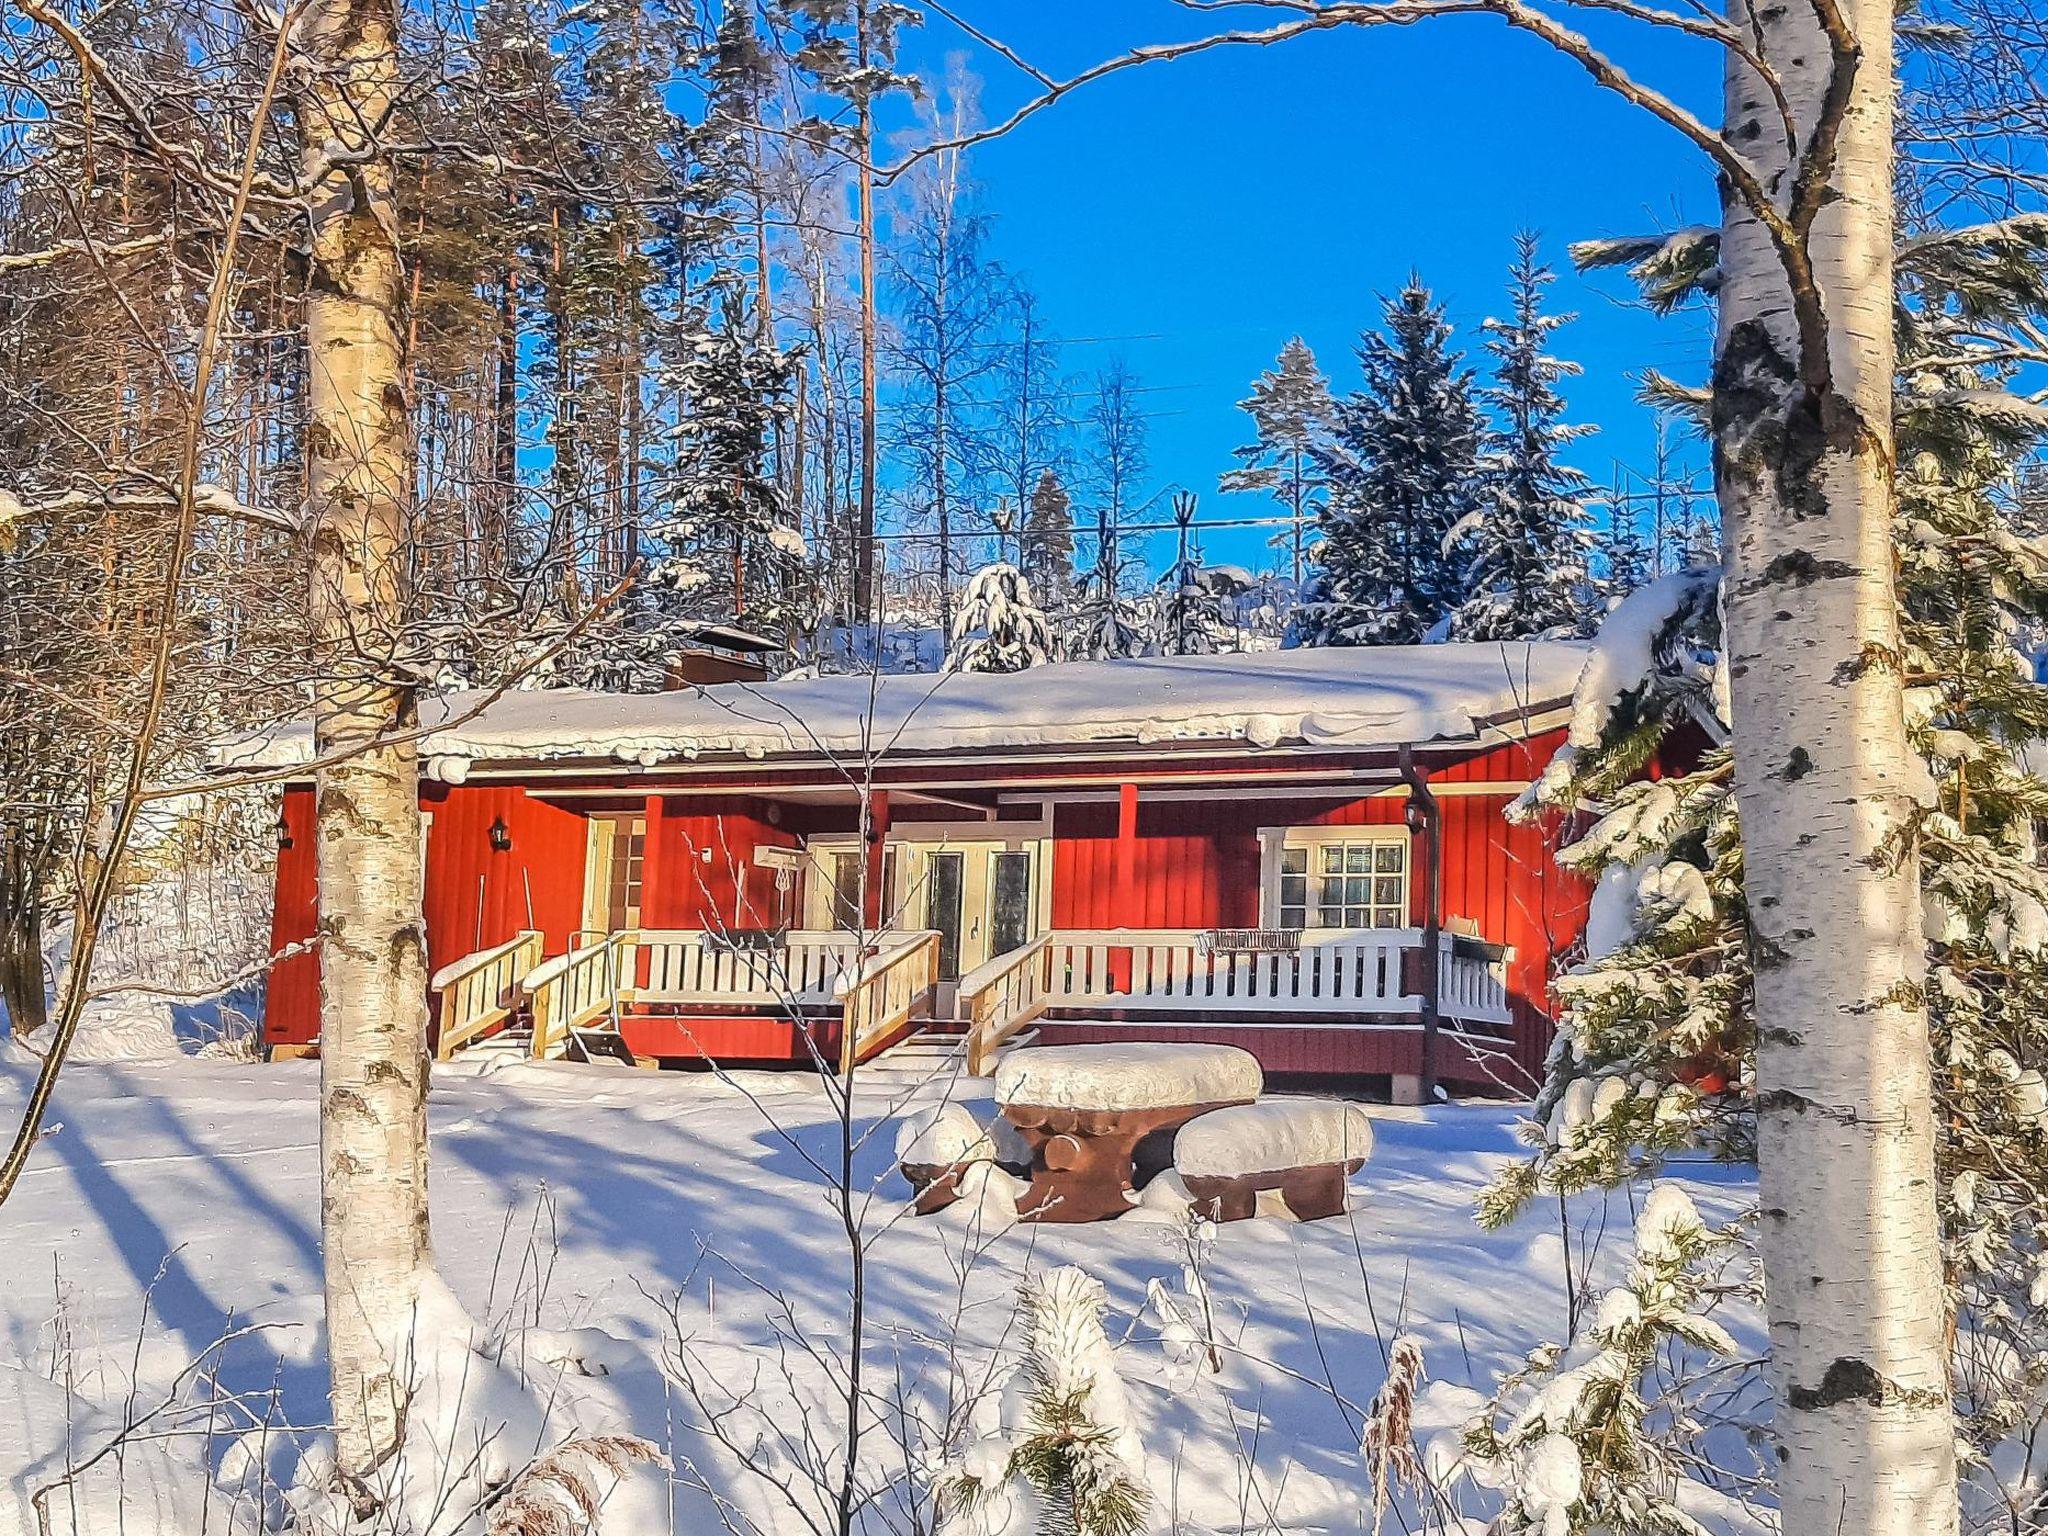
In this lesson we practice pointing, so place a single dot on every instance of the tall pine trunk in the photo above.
(373, 1023)
(1826, 781)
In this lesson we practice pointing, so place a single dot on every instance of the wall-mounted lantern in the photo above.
(284, 832)
(501, 836)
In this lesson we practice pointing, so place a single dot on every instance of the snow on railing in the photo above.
(1000, 997)
(482, 990)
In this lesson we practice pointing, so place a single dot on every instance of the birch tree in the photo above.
(1827, 779)
(373, 972)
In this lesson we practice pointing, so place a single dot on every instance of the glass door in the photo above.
(945, 905)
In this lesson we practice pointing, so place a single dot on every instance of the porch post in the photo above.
(1124, 884)
(656, 907)
(1425, 817)
(876, 833)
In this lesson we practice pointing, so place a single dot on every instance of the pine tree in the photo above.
(1528, 540)
(1290, 408)
(1401, 469)
(999, 628)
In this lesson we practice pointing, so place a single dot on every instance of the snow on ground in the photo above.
(591, 1216)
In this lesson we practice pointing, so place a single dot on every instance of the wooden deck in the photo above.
(1349, 1002)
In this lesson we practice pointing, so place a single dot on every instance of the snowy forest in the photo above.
(465, 463)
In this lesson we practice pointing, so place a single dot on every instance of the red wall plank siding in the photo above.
(291, 993)
(475, 897)
(701, 868)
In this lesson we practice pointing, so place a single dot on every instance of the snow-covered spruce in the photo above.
(1401, 463)
(1528, 540)
(1657, 1049)
(1054, 1451)
(999, 628)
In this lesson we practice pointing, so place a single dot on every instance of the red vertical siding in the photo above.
(701, 871)
(291, 994)
(475, 895)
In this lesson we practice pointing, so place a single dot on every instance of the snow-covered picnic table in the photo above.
(1100, 1119)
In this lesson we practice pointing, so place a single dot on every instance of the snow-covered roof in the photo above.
(1336, 698)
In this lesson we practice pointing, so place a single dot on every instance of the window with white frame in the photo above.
(1337, 877)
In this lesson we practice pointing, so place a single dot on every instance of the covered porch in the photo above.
(839, 1000)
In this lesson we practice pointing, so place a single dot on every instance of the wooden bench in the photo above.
(1303, 1149)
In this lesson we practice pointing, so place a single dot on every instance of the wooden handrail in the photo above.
(1001, 997)
(482, 990)
(881, 992)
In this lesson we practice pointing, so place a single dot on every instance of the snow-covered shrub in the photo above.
(1054, 1451)
(999, 628)
(1573, 1441)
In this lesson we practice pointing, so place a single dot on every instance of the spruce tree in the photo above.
(999, 627)
(1529, 539)
(724, 536)
(1290, 408)
(1046, 543)
(1401, 471)
(1625, 556)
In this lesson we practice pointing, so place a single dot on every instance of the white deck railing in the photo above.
(1172, 970)
(481, 990)
(803, 971)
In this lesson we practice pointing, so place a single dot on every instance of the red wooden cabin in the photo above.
(1235, 848)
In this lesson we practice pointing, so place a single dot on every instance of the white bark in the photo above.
(1826, 780)
(373, 1021)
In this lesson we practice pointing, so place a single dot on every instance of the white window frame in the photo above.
(1312, 839)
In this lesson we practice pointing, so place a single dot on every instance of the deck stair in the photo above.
(934, 1055)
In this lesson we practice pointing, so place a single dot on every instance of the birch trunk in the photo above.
(373, 1046)
(1827, 782)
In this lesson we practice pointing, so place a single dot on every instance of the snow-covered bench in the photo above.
(934, 1149)
(1303, 1148)
(1099, 1119)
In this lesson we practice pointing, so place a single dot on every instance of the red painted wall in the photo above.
(701, 871)
(475, 897)
(291, 995)
(1196, 865)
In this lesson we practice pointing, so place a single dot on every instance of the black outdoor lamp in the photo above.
(284, 832)
(501, 836)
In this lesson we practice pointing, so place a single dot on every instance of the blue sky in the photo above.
(1208, 208)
